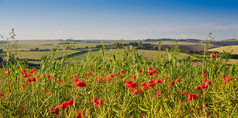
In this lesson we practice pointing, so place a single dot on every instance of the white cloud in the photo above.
(139, 32)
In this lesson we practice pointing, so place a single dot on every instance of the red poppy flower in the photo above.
(111, 75)
(107, 79)
(133, 77)
(136, 91)
(75, 80)
(140, 71)
(90, 73)
(122, 71)
(23, 71)
(64, 105)
(1, 94)
(80, 84)
(208, 82)
(48, 76)
(183, 93)
(96, 79)
(8, 73)
(96, 101)
(204, 80)
(158, 93)
(54, 110)
(71, 101)
(223, 76)
(96, 104)
(204, 86)
(33, 71)
(192, 96)
(130, 84)
(142, 115)
(171, 83)
(114, 74)
(29, 80)
(228, 79)
(33, 79)
(101, 102)
(178, 79)
(224, 82)
(143, 86)
(23, 85)
(93, 100)
(213, 55)
(204, 75)
(102, 74)
(151, 84)
(158, 81)
(79, 115)
(152, 72)
(149, 68)
(26, 75)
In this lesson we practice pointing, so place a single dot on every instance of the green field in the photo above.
(39, 54)
(150, 54)
(174, 43)
(27, 45)
(233, 49)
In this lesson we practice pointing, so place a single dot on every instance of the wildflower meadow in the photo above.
(123, 84)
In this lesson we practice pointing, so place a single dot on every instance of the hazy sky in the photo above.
(113, 19)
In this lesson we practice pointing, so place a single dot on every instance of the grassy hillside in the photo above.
(233, 49)
(27, 45)
(39, 54)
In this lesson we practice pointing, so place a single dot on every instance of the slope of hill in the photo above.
(231, 49)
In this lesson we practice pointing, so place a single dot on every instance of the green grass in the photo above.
(39, 54)
(150, 54)
(157, 54)
(50, 44)
(35, 98)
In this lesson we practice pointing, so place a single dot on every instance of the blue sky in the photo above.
(116, 19)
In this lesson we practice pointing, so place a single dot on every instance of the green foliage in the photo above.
(218, 100)
(55, 83)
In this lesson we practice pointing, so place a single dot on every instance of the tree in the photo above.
(1, 60)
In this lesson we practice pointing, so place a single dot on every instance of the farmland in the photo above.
(34, 50)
